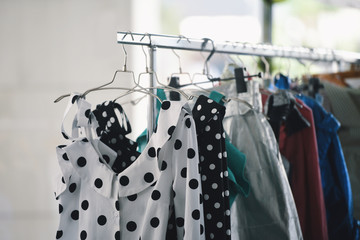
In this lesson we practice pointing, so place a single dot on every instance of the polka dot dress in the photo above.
(113, 133)
(208, 116)
(97, 203)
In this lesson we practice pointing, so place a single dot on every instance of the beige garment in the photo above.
(345, 106)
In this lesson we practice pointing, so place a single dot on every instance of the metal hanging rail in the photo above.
(154, 41)
(266, 50)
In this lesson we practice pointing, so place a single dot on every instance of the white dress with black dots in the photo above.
(96, 203)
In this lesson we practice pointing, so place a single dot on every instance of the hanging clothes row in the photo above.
(344, 105)
(197, 206)
(220, 164)
(335, 179)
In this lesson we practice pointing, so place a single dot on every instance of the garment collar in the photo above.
(146, 164)
(282, 107)
(204, 111)
(323, 120)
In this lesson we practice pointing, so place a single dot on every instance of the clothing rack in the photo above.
(154, 41)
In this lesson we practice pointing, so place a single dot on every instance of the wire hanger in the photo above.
(307, 67)
(230, 63)
(205, 71)
(218, 79)
(103, 87)
(146, 89)
(124, 70)
(137, 85)
(174, 82)
(288, 67)
(226, 100)
(106, 84)
(180, 73)
(227, 57)
(267, 67)
(313, 84)
(179, 60)
(162, 86)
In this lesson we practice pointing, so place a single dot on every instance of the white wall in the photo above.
(47, 48)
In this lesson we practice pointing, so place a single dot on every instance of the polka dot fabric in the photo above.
(208, 116)
(97, 203)
(113, 133)
(79, 205)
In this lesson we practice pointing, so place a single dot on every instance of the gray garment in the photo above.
(345, 105)
(286, 164)
(269, 212)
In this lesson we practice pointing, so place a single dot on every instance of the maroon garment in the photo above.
(300, 149)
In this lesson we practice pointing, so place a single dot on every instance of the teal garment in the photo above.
(217, 97)
(236, 161)
(142, 139)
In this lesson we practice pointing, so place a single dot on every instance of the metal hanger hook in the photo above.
(146, 59)
(202, 55)
(267, 66)
(125, 52)
(142, 46)
(203, 45)
(237, 56)
(181, 37)
(177, 55)
(227, 56)
(148, 35)
(125, 59)
(128, 32)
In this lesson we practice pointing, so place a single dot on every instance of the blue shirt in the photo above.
(282, 81)
(334, 175)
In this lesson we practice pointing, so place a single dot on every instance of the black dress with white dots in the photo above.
(97, 203)
(208, 116)
(113, 127)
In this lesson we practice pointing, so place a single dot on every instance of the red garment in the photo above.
(300, 149)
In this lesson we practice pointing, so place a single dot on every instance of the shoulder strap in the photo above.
(142, 138)
(82, 119)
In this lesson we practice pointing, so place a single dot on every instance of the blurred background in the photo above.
(49, 48)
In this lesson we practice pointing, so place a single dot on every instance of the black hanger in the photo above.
(312, 87)
(206, 40)
(239, 72)
(240, 80)
(174, 82)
